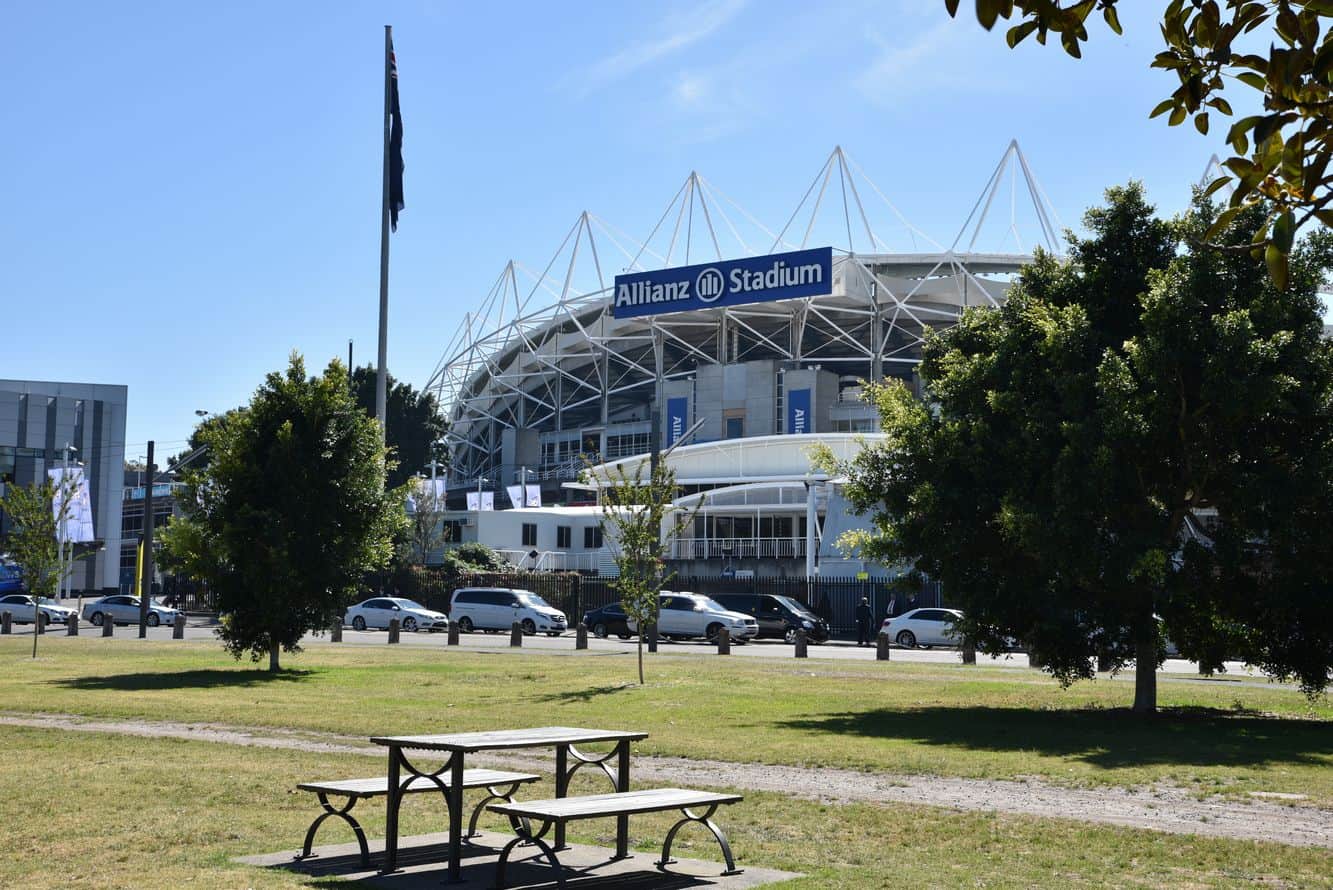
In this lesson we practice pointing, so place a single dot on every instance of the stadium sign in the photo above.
(760, 279)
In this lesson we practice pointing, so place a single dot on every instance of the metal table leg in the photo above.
(562, 776)
(455, 796)
(622, 785)
(391, 816)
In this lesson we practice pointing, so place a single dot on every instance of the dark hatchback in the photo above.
(779, 617)
(607, 620)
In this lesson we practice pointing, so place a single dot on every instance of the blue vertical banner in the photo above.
(798, 411)
(677, 419)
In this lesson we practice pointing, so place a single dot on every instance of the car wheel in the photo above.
(465, 625)
(924, 646)
(97, 619)
(358, 623)
(907, 639)
(710, 633)
(529, 626)
(553, 633)
(409, 625)
(600, 631)
(624, 636)
(153, 619)
(790, 635)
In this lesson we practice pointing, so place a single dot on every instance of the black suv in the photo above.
(778, 616)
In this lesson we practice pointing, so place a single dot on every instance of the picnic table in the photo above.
(458, 745)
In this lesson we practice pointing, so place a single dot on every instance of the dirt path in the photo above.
(1159, 808)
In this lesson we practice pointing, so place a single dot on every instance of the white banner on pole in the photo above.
(515, 493)
(533, 496)
(483, 501)
(73, 500)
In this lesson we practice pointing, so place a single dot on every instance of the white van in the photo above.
(497, 608)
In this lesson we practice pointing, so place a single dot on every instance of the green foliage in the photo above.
(1281, 155)
(1080, 432)
(32, 540)
(472, 557)
(637, 516)
(422, 531)
(290, 511)
(413, 423)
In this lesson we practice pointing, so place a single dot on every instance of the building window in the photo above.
(453, 531)
(529, 534)
(735, 427)
(563, 536)
(592, 538)
(628, 445)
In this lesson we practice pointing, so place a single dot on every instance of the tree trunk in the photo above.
(640, 659)
(273, 650)
(36, 623)
(1145, 667)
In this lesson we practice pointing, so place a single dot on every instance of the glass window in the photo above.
(735, 427)
(465, 596)
(529, 534)
(563, 536)
(592, 538)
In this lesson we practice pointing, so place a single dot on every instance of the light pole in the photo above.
(62, 530)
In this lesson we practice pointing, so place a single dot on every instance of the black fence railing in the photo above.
(834, 599)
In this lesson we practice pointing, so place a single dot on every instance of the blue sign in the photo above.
(798, 411)
(677, 418)
(778, 276)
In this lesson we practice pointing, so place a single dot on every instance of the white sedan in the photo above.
(124, 609)
(19, 605)
(379, 611)
(923, 627)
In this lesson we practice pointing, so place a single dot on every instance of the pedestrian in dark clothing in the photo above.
(864, 615)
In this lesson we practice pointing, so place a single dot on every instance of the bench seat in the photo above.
(559, 810)
(499, 785)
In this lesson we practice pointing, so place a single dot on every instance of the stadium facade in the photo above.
(753, 351)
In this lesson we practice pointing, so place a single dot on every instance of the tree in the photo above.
(1079, 434)
(414, 424)
(1281, 159)
(35, 512)
(423, 531)
(290, 511)
(637, 518)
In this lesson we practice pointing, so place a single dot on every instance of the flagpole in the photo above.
(380, 371)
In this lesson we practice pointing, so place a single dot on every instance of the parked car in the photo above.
(379, 611)
(124, 609)
(923, 627)
(683, 615)
(779, 617)
(20, 606)
(497, 608)
(607, 620)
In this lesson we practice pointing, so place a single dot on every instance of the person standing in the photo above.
(893, 605)
(864, 615)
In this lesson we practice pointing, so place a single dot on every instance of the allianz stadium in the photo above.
(741, 343)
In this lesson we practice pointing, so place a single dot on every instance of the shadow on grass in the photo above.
(1111, 739)
(201, 679)
(583, 695)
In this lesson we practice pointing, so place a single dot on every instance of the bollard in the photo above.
(516, 635)
(581, 636)
(178, 627)
(336, 631)
(652, 636)
(6, 623)
(801, 644)
(969, 652)
(108, 626)
(72, 628)
(393, 631)
(882, 647)
(41, 623)
(723, 641)
(453, 633)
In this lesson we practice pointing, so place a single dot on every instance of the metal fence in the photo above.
(834, 599)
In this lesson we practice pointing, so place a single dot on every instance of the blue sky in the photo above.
(196, 189)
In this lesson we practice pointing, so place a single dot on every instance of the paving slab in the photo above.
(421, 861)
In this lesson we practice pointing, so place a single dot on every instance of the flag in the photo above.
(395, 143)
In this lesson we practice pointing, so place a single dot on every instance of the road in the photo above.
(838, 651)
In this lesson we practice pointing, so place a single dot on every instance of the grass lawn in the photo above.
(915, 718)
(93, 810)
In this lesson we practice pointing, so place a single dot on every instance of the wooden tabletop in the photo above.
(503, 739)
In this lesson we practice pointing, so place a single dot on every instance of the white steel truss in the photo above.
(543, 352)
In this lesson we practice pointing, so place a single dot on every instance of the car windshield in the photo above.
(795, 606)
(47, 601)
(410, 604)
(531, 599)
(708, 604)
(160, 604)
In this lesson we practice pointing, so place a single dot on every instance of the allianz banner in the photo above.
(677, 419)
(798, 411)
(760, 279)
